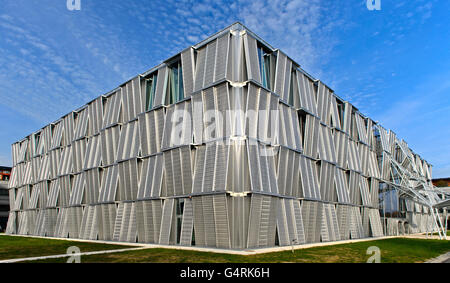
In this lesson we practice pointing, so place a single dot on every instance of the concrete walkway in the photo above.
(69, 255)
(445, 258)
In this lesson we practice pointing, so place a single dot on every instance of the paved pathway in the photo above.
(445, 258)
(67, 255)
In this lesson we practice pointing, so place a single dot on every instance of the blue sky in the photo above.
(393, 64)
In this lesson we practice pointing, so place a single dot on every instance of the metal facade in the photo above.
(283, 161)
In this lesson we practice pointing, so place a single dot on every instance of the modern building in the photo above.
(228, 144)
(4, 196)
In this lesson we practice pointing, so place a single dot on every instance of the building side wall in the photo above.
(291, 164)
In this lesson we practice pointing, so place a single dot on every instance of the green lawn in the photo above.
(20, 247)
(399, 250)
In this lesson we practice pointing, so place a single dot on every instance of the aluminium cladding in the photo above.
(113, 169)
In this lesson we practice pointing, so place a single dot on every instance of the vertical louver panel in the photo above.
(129, 141)
(199, 223)
(128, 180)
(208, 175)
(254, 165)
(109, 184)
(287, 82)
(200, 69)
(95, 110)
(166, 221)
(53, 195)
(109, 143)
(327, 172)
(307, 93)
(208, 218)
(209, 63)
(157, 207)
(312, 217)
(251, 56)
(341, 186)
(280, 73)
(356, 226)
(354, 162)
(362, 130)
(187, 226)
(187, 61)
(197, 117)
(341, 143)
(221, 221)
(310, 183)
(311, 141)
(92, 186)
(78, 154)
(222, 57)
(81, 124)
(78, 191)
(283, 232)
(335, 114)
(65, 164)
(326, 145)
(363, 151)
(93, 157)
(254, 221)
(113, 109)
(161, 86)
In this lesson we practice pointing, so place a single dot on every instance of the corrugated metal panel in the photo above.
(161, 83)
(326, 145)
(128, 180)
(221, 221)
(344, 216)
(341, 186)
(209, 221)
(199, 224)
(254, 221)
(200, 69)
(129, 142)
(310, 183)
(95, 110)
(209, 63)
(187, 226)
(93, 157)
(109, 184)
(307, 93)
(283, 232)
(113, 109)
(251, 56)
(327, 172)
(109, 143)
(280, 73)
(310, 146)
(77, 194)
(222, 57)
(197, 117)
(187, 61)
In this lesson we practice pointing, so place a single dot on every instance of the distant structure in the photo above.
(228, 144)
(5, 173)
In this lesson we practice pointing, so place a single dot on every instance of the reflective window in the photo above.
(150, 88)
(175, 91)
(267, 62)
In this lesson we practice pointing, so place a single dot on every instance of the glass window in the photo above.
(179, 217)
(150, 91)
(175, 90)
(266, 66)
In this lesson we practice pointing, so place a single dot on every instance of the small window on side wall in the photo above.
(267, 64)
(150, 88)
(175, 90)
